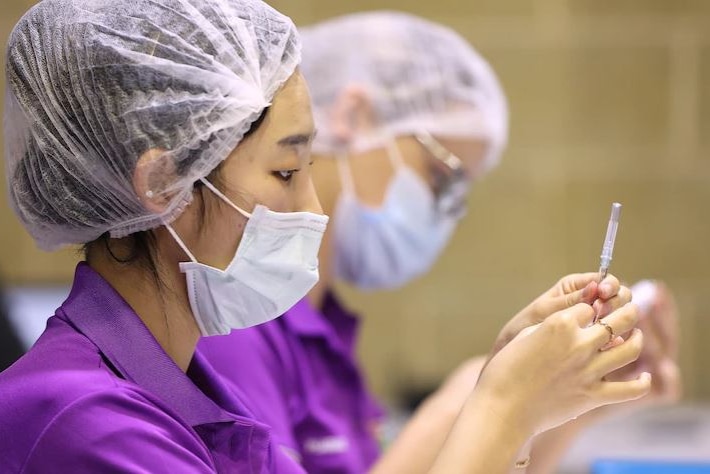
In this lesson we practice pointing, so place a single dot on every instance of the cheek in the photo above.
(261, 187)
(275, 194)
(430, 171)
(219, 236)
(371, 178)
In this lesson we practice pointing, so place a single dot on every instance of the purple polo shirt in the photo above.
(300, 371)
(97, 393)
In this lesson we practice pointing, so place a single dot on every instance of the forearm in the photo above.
(477, 439)
(417, 446)
(549, 448)
(486, 438)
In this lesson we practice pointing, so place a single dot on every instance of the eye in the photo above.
(285, 175)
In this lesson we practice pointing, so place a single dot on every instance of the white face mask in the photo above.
(385, 248)
(275, 265)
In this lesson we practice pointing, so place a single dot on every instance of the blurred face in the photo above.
(381, 253)
(271, 167)
(373, 170)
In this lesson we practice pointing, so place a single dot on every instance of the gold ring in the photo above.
(608, 328)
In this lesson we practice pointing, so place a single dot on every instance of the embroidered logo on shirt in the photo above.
(292, 453)
(326, 445)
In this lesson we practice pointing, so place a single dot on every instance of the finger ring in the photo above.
(609, 329)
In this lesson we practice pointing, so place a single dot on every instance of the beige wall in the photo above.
(609, 101)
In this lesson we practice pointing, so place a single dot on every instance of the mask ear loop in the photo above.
(344, 170)
(345, 173)
(395, 155)
(180, 243)
(224, 198)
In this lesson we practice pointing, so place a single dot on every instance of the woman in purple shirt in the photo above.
(172, 139)
(384, 85)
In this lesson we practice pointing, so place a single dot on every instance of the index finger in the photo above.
(609, 287)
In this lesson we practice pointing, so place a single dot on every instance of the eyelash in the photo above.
(289, 173)
(285, 179)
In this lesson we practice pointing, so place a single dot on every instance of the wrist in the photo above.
(506, 412)
(485, 437)
(523, 458)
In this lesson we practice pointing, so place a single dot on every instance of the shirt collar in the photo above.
(103, 316)
(333, 323)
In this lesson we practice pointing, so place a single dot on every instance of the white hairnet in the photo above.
(94, 84)
(418, 75)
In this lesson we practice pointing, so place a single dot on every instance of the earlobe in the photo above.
(150, 177)
(352, 114)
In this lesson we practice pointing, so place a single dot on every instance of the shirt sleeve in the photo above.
(111, 432)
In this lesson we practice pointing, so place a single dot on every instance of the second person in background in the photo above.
(409, 116)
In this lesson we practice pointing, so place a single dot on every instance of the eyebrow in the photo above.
(298, 139)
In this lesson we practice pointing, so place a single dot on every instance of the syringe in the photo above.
(608, 248)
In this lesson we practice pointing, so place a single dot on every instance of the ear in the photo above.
(352, 114)
(153, 173)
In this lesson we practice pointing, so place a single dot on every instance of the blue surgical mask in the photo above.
(386, 247)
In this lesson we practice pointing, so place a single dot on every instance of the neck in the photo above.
(159, 299)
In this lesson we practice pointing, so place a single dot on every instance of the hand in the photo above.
(553, 372)
(567, 292)
(659, 322)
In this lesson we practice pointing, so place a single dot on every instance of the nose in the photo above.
(310, 201)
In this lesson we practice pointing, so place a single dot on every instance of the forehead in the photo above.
(290, 111)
